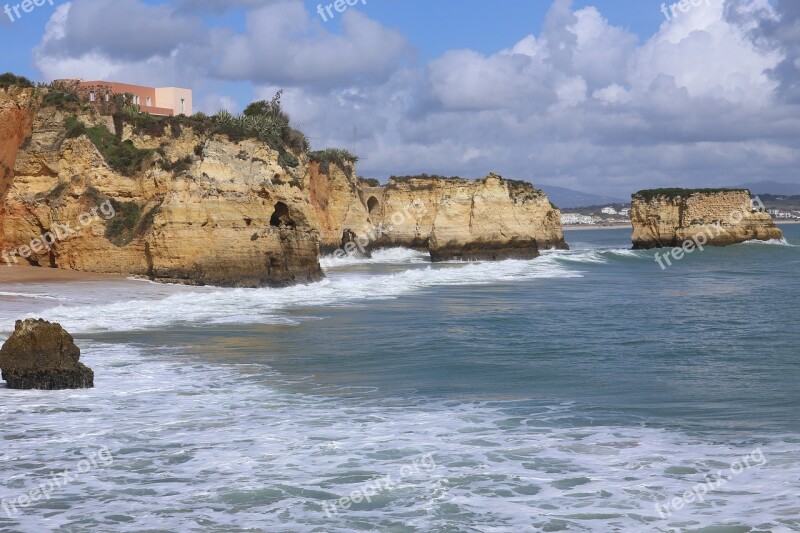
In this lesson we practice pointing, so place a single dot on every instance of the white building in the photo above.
(608, 211)
(575, 218)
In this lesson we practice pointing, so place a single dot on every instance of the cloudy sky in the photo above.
(603, 96)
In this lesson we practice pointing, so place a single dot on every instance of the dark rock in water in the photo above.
(41, 355)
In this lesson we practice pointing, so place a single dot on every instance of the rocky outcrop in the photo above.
(488, 219)
(719, 217)
(176, 204)
(41, 355)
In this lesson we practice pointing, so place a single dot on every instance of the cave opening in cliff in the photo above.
(280, 218)
(372, 203)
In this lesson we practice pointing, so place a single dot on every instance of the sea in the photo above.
(585, 390)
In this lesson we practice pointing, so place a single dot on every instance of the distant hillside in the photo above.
(771, 187)
(569, 199)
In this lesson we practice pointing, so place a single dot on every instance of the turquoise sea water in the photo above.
(574, 392)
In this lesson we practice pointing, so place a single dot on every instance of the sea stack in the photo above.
(471, 220)
(41, 355)
(719, 217)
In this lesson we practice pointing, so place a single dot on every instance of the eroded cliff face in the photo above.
(198, 209)
(672, 217)
(488, 219)
(341, 214)
(16, 114)
(171, 201)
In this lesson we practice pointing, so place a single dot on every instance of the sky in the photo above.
(603, 96)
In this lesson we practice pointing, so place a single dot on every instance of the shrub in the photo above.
(523, 190)
(10, 80)
(178, 166)
(671, 193)
(369, 182)
(75, 128)
(121, 229)
(58, 190)
(122, 156)
(94, 196)
(336, 156)
(62, 99)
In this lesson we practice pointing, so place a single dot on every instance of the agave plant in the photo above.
(224, 117)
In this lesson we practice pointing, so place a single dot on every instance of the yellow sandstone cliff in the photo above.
(15, 127)
(226, 201)
(670, 217)
(195, 208)
(487, 219)
(341, 214)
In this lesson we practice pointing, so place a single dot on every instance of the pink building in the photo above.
(165, 101)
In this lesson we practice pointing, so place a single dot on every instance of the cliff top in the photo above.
(516, 186)
(10, 80)
(676, 192)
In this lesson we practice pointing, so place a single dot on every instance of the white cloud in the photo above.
(284, 45)
(707, 100)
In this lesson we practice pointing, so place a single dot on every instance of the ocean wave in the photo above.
(598, 255)
(30, 295)
(204, 305)
(234, 447)
(772, 242)
(393, 256)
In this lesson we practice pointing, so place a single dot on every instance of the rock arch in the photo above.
(372, 203)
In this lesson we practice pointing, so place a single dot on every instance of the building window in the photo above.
(91, 96)
(149, 102)
(107, 97)
(183, 105)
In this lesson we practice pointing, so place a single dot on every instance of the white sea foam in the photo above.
(596, 255)
(230, 448)
(393, 256)
(29, 295)
(772, 242)
(199, 305)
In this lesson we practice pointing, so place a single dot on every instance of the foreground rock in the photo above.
(716, 217)
(458, 219)
(41, 355)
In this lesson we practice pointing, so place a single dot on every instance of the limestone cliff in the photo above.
(178, 203)
(15, 126)
(333, 190)
(227, 201)
(488, 219)
(670, 217)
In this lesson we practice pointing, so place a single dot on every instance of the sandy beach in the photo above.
(30, 274)
(586, 227)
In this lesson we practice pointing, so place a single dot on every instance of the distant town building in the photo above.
(166, 101)
(575, 218)
(625, 212)
(777, 213)
(608, 211)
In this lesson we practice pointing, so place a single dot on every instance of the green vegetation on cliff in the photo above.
(122, 156)
(10, 80)
(670, 193)
(262, 120)
(341, 158)
(524, 190)
(368, 182)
